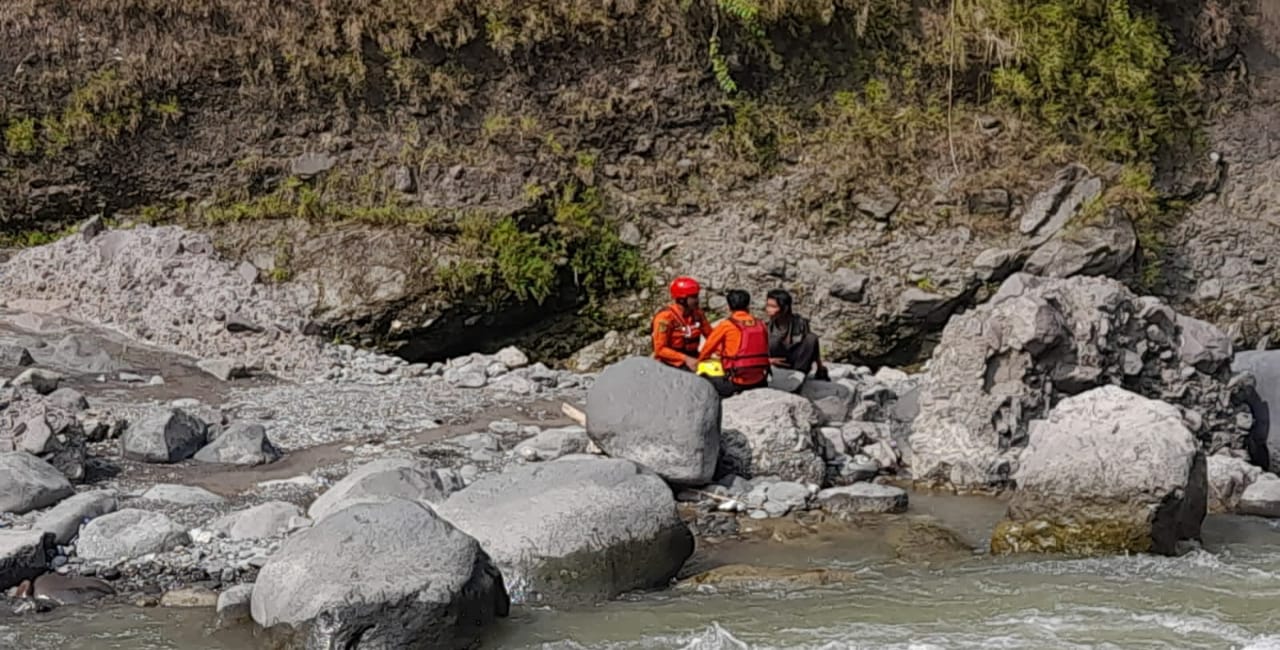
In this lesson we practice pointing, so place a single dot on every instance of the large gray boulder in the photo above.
(23, 555)
(266, 520)
(28, 483)
(383, 575)
(44, 427)
(64, 520)
(575, 530)
(1109, 471)
(768, 432)
(665, 419)
(381, 479)
(1264, 365)
(165, 435)
(129, 533)
(243, 443)
(1006, 363)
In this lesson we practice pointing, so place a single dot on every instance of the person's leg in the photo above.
(723, 386)
(804, 354)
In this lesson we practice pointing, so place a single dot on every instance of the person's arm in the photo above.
(661, 329)
(714, 342)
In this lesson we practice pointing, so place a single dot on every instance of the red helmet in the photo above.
(684, 287)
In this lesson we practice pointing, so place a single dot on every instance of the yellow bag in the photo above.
(711, 368)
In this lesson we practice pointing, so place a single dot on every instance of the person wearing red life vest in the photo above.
(741, 342)
(680, 327)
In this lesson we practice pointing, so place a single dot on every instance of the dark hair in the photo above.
(783, 298)
(738, 299)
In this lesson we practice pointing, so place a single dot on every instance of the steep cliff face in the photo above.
(459, 174)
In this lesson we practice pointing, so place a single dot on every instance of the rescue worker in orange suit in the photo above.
(742, 343)
(680, 327)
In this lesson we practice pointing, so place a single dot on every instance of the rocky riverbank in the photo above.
(136, 470)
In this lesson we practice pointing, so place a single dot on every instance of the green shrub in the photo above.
(20, 136)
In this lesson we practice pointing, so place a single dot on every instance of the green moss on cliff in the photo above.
(525, 261)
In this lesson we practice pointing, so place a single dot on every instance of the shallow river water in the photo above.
(1227, 596)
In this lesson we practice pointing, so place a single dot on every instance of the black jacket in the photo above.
(784, 337)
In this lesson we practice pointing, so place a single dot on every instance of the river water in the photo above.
(1227, 596)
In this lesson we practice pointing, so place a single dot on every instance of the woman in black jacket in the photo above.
(792, 344)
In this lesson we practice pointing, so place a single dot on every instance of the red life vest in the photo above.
(750, 364)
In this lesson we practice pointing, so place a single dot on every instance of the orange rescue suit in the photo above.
(742, 343)
(676, 334)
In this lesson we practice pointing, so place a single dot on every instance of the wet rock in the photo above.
(389, 574)
(554, 443)
(182, 495)
(189, 597)
(267, 520)
(165, 435)
(1108, 472)
(243, 443)
(1262, 499)
(1228, 479)
(15, 356)
(223, 369)
(863, 498)
(1004, 364)
(64, 520)
(41, 381)
(916, 304)
(28, 483)
(771, 433)
(835, 401)
(1264, 365)
(233, 605)
(920, 541)
(129, 533)
(382, 479)
(682, 445)
(848, 285)
(574, 530)
(1102, 248)
(845, 469)
(22, 555)
(70, 590)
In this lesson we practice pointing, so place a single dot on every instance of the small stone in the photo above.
(233, 605)
(879, 204)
